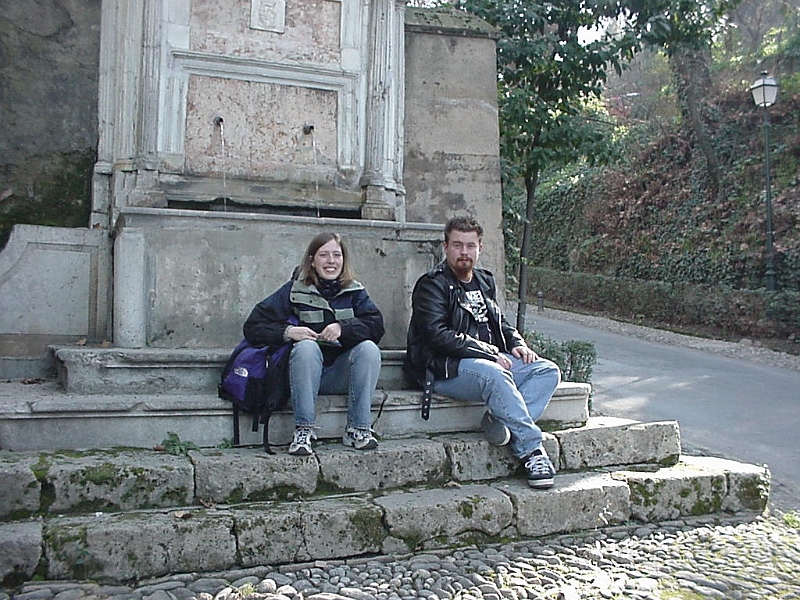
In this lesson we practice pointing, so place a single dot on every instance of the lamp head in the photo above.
(765, 91)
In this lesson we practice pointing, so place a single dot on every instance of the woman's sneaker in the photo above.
(360, 439)
(301, 444)
(540, 470)
(495, 432)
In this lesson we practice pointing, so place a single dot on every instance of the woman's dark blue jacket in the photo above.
(351, 306)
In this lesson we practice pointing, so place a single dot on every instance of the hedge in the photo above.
(731, 312)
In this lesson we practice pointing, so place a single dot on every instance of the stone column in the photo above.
(382, 182)
(131, 292)
(130, 56)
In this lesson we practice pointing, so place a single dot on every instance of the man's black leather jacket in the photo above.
(443, 329)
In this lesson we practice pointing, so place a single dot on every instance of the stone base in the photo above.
(109, 515)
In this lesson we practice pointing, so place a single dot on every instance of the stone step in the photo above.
(59, 482)
(41, 416)
(127, 515)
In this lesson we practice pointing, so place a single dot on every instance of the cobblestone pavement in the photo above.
(687, 560)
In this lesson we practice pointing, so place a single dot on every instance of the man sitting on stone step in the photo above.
(460, 345)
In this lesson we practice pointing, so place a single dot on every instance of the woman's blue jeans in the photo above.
(355, 373)
(517, 397)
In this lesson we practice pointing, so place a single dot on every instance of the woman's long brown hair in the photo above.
(308, 274)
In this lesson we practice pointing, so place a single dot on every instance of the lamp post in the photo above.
(765, 91)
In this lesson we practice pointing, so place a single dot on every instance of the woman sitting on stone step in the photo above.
(335, 346)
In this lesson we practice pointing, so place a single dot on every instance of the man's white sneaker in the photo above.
(360, 439)
(301, 444)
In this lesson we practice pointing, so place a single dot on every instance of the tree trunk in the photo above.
(690, 69)
(531, 181)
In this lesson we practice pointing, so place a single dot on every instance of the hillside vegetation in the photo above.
(648, 216)
(646, 200)
(659, 245)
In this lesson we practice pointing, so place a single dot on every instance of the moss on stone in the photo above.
(670, 460)
(753, 492)
(369, 526)
(281, 492)
(467, 507)
(56, 192)
(103, 474)
(645, 494)
(41, 468)
(68, 544)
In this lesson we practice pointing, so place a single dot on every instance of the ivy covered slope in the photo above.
(649, 216)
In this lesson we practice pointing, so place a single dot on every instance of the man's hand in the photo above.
(525, 354)
(504, 361)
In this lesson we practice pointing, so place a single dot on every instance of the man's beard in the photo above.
(462, 268)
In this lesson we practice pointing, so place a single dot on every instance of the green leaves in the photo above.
(547, 75)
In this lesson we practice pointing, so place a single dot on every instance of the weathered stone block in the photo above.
(673, 492)
(20, 491)
(20, 549)
(118, 480)
(270, 533)
(748, 485)
(137, 545)
(395, 463)
(575, 502)
(113, 371)
(607, 441)
(320, 529)
(250, 474)
(443, 513)
(472, 458)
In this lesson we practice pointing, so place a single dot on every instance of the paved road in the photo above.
(734, 408)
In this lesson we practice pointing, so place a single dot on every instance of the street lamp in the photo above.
(765, 91)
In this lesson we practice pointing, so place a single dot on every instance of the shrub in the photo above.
(575, 358)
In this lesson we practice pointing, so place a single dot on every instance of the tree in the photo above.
(547, 74)
(684, 30)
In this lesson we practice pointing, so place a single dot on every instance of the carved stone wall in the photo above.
(224, 99)
(199, 105)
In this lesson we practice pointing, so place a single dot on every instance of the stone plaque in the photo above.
(268, 15)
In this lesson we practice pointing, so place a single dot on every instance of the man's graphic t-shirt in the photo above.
(477, 304)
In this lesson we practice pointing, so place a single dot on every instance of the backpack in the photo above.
(255, 381)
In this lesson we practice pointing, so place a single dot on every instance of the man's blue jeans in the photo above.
(517, 397)
(354, 373)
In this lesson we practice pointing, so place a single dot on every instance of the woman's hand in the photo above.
(331, 333)
(298, 334)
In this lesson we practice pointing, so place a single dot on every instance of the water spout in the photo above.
(219, 122)
(309, 130)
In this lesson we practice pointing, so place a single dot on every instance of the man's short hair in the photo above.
(463, 224)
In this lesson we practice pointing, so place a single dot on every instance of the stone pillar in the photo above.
(131, 295)
(382, 182)
(128, 107)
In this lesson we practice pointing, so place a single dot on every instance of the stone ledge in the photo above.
(124, 371)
